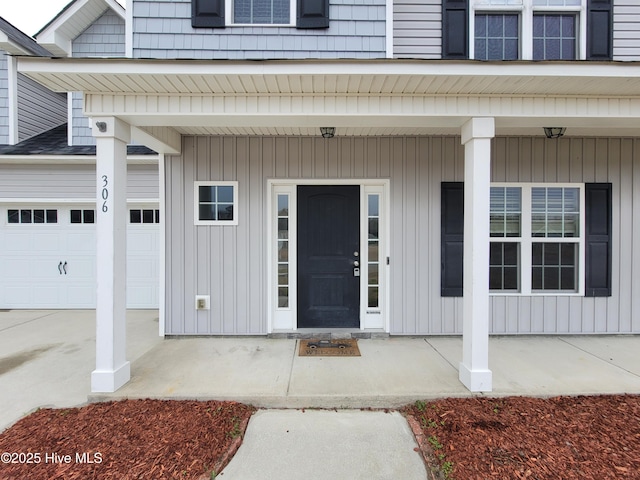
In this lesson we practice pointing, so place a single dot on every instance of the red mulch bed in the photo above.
(131, 439)
(530, 438)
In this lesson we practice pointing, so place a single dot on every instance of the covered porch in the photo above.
(157, 103)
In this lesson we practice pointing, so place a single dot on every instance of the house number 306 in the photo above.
(105, 193)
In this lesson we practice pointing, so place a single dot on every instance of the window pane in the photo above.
(504, 259)
(568, 278)
(283, 228)
(554, 37)
(568, 254)
(206, 212)
(373, 228)
(225, 211)
(554, 266)
(373, 251)
(496, 36)
(89, 216)
(283, 274)
(551, 278)
(76, 216)
(13, 217)
(374, 201)
(52, 216)
(147, 216)
(206, 193)
(373, 274)
(283, 205)
(38, 216)
(283, 251)
(373, 297)
(283, 297)
(225, 194)
(135, 216)
(25, 216)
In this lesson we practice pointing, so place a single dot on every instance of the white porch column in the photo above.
(112, 368)
(474, 368)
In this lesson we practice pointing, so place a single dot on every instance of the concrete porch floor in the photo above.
(389, 373)
(46, 359)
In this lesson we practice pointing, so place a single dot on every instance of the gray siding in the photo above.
(417, 29)
(626, 30)
(4, 99)
(39, 109)
(162, 29)
(70, 181)
(104, 38)
(229, 263)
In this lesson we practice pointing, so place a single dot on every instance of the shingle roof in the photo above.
(22, 39)
(54, 143)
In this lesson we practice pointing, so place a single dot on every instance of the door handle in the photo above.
(356, 263)
(60, 268)
(64, 267)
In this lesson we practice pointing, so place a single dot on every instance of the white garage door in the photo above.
(47, 256)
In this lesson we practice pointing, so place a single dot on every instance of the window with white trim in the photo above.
(261, 12)
(528, 29)
(536, 239)
(216, 203)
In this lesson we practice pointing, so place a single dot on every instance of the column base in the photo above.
(108, 381)
(475, 380)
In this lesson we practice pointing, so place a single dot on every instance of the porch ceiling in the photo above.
(370, 97)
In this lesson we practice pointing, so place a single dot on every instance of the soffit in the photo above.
(380, 78)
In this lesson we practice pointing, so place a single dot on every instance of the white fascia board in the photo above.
(58, 35)
(11, 47)
(382, 67)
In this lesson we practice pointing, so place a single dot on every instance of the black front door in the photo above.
(328, 252)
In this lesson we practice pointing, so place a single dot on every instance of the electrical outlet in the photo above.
(202, 302)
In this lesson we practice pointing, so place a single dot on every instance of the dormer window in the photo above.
(262, 12)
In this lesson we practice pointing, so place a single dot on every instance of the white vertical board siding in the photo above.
(70, 182)
(417, 29)
(626, 30)
(162, 29)
(39, 109)
(228, 263)
(4, 99)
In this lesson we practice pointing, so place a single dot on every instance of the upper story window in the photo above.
(262, 12)
(528, 29)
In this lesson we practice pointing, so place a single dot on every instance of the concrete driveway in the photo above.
(46, 356)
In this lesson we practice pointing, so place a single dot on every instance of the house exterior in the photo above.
(47, 175)
(412, 168)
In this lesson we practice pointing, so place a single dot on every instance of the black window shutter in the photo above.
(207, 13)
(452, 234)
(455, 29)
(313, 14)
(598, 239)
(600, 30)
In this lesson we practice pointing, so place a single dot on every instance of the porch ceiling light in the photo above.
(554, 132)
(328, 132)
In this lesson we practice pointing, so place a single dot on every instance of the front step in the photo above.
(328, 334)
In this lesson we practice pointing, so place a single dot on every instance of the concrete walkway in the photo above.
(46, 359)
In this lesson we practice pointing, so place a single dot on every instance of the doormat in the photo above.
(329, 348)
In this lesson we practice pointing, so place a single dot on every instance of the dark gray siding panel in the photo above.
(39, 109)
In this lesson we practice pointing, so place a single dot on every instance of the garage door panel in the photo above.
(54, 265)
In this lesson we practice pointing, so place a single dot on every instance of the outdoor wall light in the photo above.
(102, 126)
(328, 132)
(554, 132)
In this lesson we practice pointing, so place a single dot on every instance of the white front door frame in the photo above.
(284, 317)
